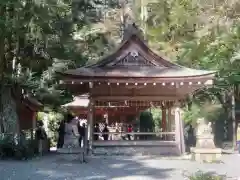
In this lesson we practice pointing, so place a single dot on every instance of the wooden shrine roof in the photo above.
(26, 99)
(135, 59)
(78, 101)
(134, 71)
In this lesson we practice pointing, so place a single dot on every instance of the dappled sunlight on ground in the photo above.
(54, 167)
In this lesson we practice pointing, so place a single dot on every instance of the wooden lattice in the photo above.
(137, 104)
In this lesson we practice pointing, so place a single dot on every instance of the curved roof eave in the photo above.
(82, 73)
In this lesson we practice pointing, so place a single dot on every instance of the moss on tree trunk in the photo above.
(8, 112)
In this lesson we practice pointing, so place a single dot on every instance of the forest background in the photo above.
(39, 38)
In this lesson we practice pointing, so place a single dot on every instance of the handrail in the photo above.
(137, 133)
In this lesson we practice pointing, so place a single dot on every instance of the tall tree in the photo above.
(37, 39)
(202, 35)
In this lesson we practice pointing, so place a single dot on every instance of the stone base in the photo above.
(206, 155)
(71, 154)
(133, 151)
(70, 150)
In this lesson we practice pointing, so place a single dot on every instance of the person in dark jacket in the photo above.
(96, 130)
(61, 133)
(81, 131)
(105, 131)
(190, 137)
(41, 135)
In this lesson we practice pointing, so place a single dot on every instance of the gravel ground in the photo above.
(57, 167)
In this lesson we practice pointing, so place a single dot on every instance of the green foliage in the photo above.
(22, 150)
(157, 118)
(198, 35)
(54, 118)
(206, 176)
(39, 38)
(146, 122)
(192, 114)
(211, 112)
(170, 23)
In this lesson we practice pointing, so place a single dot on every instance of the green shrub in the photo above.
(209, 111)
(20, 149)
(53, 123)
(7, 145)
(206, 176)
(146, 122)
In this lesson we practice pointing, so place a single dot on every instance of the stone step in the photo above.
(156, 151)
(71, 150)
(72, 154)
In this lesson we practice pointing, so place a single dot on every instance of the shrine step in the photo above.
(141, 151)
(71, 154)
(70, 150)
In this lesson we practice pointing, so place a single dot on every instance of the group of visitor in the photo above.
(63, 130)
(105, 135)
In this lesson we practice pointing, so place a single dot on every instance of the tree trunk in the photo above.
(8, 112)
(233, 117)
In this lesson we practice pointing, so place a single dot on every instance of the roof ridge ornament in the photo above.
(133, 58)
(134, 53)
(130, 30)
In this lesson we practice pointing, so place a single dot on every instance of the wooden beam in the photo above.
(125, 79)
(138, 98)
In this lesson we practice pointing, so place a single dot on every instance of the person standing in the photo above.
(105, 132)
(96, 130)
(81, 131)
(129, 130)
(61, 133)
(41, 135)
(71, 135)
(190, 134)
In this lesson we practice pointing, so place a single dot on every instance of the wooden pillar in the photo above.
(170, 120)
(34, 124)
(179, 136)
(90, 120)
(34, 120)
(164, 119)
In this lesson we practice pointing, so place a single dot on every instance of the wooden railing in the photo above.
(151, 136)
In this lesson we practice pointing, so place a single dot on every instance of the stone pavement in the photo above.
(55, 167)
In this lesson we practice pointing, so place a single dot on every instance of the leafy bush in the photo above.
(53, 122)
(146, 122)
(209, 111)
(7, 147)
(157, 118)
(206, 176)
(17, 149)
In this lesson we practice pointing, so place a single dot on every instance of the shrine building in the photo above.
(129, 81)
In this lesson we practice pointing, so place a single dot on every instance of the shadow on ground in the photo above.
(56, 167)
(103, 168)
(59, 167)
